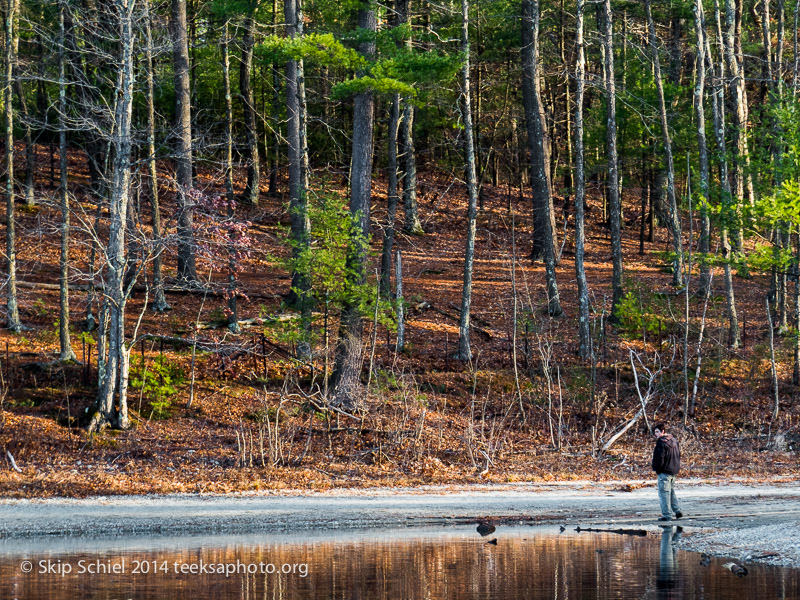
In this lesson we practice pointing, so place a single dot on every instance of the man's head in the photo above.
(659, 430)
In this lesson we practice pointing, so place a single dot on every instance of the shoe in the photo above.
(678, 515)
(665, 518)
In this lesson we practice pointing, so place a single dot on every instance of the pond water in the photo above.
(447, 562)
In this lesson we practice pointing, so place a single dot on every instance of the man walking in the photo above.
(667, 464)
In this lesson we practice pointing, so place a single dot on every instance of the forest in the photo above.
(254, 244)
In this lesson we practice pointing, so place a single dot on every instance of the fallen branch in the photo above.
(639, 532)
(622, 431)
(428, 306)
(13, 462)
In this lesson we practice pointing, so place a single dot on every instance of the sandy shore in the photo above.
(730, 518)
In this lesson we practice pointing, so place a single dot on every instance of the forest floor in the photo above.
(428, 419)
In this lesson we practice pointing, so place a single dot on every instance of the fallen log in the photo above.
(35, 285)
(639, 532)
(425, 305)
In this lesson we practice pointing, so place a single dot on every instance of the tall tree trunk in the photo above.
(66, 353)
(233, 311)
(612, 184)
(159, 299)
(298, 168)
(796, 54)
(187, 269)
(10, 17)
(544, 239)
(398, 296)
(276, 113)
(702, 146)
(464, 351)
(251, 189)
(392, 197)
(114, 376)
(718, 105)
(408, 157)
(585, 342)
(674, 214)
(30, 151)
(408, 161)
(736, 86)
(349, 346)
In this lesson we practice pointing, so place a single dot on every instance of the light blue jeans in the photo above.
(666, 495)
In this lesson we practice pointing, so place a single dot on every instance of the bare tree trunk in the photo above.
(159, 299)
(251, 189)
(704, 244)
(30, 151)
(408, 160)
(226, 82)
(464, 351)
(349, 347)
(674, 215)
(298, 169)
(398, 294)
(776, 403)
(580, 190)
(114, 376)
(392, 197)
(736, 86)
(276, 113)
(65, 343)
(719, 133)
(187, 269)
(233, 311)
(795, 70)
(10, 17)
(611, 156)
(408, 157)
(544, 238)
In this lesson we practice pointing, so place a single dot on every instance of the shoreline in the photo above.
(745, 513)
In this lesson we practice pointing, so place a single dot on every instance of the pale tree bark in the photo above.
(408, 157)
(702, 146)
(233, 316)
(544, 238)
(398, 295)
(349, 346)
(674, 214)
(584, 339)
(187, 269)
(251, 189)
(24, 121)
(113, 378)
(159, 299)
(11, 7)
(612, 184)
(66, 353)
(298, 170)
(736, 87)
(276, 112)
(718, 105)
(464, 351)
(226, 83)
(30, 151)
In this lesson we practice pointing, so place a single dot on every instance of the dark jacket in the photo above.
(667, 455)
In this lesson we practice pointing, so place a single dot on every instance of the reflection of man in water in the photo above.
(667, 582)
